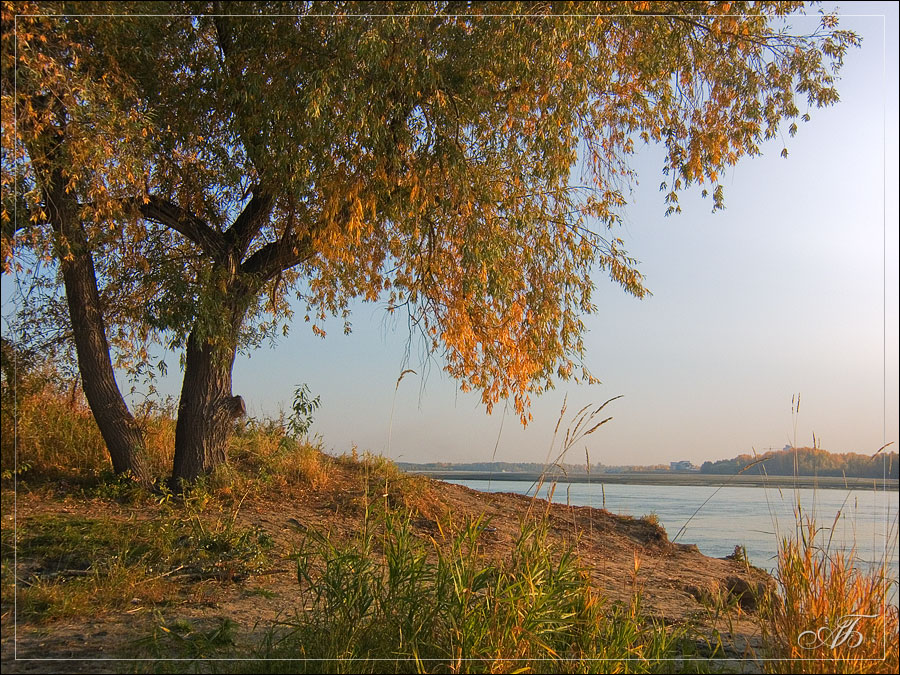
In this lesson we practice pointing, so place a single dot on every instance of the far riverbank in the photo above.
(677, 478)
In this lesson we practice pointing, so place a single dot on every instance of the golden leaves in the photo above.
(440, 176)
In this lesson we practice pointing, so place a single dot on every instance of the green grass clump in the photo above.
(183, 639)
(388, 601)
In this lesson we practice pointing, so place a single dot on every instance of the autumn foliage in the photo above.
(466, 164)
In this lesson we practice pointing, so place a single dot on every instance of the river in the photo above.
(757, 518)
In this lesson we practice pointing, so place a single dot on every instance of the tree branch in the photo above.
(182, 221)
(278, 256)
(255, 147)
(248, 224)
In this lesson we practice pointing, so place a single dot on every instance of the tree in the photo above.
(69, 120)
(425, 155)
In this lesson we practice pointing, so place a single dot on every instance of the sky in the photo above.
(792, 289)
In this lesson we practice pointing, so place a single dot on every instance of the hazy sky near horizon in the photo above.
(792, 288)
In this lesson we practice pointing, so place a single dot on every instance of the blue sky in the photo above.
(793, 288)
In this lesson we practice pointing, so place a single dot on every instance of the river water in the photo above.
(864, 521)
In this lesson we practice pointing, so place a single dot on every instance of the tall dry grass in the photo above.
(830, 614)
(50, 435)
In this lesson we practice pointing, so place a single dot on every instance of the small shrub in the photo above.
(303, 408)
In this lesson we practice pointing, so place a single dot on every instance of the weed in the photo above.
(652, 519)
(182, 639)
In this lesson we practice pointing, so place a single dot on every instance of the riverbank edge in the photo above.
(687, 479)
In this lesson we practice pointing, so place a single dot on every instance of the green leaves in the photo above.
(303, 407)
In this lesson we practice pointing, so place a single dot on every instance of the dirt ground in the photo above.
(677, 583)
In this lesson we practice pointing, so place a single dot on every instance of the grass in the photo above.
(58, 439)
(829, 615)
(52, 443)
(264, 450)
(387, 601)
(652, 519)
(75, 565)
(181, 639)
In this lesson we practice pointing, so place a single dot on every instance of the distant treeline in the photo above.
(809, 462)
(498, 467)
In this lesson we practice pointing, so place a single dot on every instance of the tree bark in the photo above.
(123, 438)
(207, 409)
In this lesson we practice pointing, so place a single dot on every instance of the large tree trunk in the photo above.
(207, 409)
(123, 438)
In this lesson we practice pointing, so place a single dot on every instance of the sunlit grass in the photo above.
(50, 436)
(389, 599)
(830, 614)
